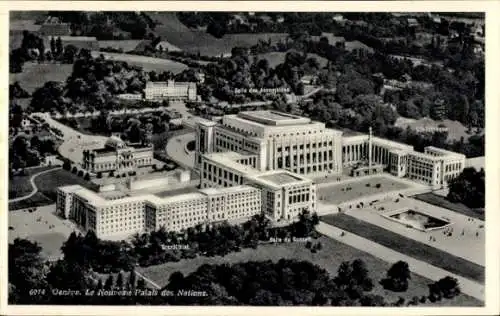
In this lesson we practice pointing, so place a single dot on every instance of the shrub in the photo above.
(378, 185)
(87, 177)
(67, 165)
(80, 173)
(423, 299)
(446, 287)
(74, 170)
(308, 245)
(99, 175)
(414, 301)
(367, 185)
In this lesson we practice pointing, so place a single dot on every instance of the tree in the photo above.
(69, 54)
(68, 276)
(448, 287)
(26, 271)
(397, 277)
(59, 47)
(141, 284)
(53, 46)
(108, 285)
(119, 281)
(132, 279)
(86, 177)
(468, 188)
(67, 165)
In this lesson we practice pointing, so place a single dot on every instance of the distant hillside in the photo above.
(27, 15)
(171, 29)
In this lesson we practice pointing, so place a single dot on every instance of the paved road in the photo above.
(176, 150)
(33, 185)
(424, 269)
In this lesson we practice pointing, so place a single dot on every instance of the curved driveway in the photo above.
(176, 150)
(33, 185)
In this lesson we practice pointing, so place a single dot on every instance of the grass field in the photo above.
(39, 199)
(47, 185)
(407, 246)
(147, 63)
(126, 45)
(441, 201)
(20, 185)
(35, 75)
(330, 257)
(334, 194)
(176, 33)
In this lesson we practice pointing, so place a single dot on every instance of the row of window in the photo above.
(296, 133)
(307, 146)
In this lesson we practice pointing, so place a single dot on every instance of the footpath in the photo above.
(424, 269)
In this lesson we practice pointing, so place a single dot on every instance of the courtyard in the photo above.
(337, 193)
(43, 226)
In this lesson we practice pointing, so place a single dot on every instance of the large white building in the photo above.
(253, 162)
(110, 216)
(434, 167)
(284, 194)
(170, 90)
(275, 140)
(270, 140)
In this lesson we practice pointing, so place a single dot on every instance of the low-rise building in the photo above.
(118, 157)
(170, 90)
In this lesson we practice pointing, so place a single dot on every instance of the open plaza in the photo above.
(42, 225)
(458, 235)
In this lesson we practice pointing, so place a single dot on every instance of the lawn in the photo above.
(441, 201)
(147, 63)
(21, 185)
(35, 75)
(334, 193)
(39, 199)
(329, 258)
(48, 183)
(126, 45)
(407, 246)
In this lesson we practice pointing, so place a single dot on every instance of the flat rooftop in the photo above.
(169, 193)
(269, 117)
(280, 178)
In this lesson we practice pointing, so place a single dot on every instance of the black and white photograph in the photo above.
(325, 158)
